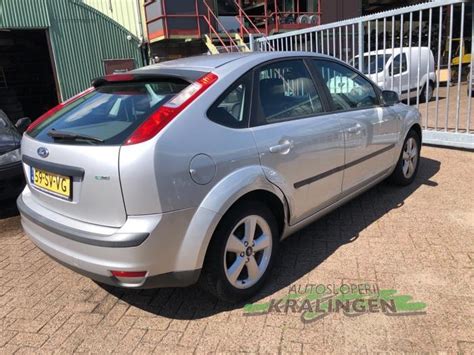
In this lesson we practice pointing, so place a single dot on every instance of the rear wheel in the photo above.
(407, 165)
(241, 252)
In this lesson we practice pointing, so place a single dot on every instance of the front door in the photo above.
(300, 145)
(397, 78)
(371, 130)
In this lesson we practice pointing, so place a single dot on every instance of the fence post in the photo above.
(361, 44)
(251, 42)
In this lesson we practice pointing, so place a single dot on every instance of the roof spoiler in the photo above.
(147, 75)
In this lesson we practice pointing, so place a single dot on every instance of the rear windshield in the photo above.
(109, 114)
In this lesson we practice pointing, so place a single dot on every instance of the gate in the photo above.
(423, 52)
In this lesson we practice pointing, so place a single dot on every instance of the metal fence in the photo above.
(423, 52)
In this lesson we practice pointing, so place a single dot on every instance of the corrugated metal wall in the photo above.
(81, 38)
(125, 12)
(24, 14)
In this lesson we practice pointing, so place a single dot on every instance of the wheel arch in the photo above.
(242, 185)
(271, 200)
(417, 128)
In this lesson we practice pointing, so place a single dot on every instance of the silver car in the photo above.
(195, 169)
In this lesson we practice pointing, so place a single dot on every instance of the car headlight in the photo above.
(12, 156)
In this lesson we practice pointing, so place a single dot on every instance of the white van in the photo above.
(470, 83)
(392, 71)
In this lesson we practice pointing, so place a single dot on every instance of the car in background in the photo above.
(409, 71)
(12, 178)
(193, 170)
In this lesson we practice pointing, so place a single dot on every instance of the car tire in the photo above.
(220, 275)
(409, 160)
(430, 92)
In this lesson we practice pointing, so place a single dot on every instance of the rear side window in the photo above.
(286, 91)
(231, 108)
(110, 113)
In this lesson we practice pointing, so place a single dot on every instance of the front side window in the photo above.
(348, 89)
(230, 109)
(286, 91)
(396, 65)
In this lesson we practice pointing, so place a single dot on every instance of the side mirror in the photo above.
(390, 98)
(22, 124)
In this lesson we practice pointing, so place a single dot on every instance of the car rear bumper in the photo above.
(12, 180)
(148, 243)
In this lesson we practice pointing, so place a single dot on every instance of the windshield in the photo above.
(109, 114)
(372, 65)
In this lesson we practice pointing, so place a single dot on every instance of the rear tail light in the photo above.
(166, 113)
(57, 108)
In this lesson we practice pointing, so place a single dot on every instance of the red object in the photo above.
(119, 77)
(57, 108)
(166, 113)
(128, 273)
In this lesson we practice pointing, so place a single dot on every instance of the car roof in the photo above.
(206, 63)
(395, 50)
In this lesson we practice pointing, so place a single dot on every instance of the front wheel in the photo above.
(241, 252)
(408, 162)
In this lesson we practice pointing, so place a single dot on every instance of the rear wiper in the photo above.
(73, 136)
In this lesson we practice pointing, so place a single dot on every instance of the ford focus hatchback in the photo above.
(195, 169)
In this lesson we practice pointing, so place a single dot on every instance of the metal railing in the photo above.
(276, 20)
(421, 51)
(209, 17)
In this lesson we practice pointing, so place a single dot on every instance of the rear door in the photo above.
(300, 146)
(71, 159)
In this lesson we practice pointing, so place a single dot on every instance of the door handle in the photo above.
(282, 148)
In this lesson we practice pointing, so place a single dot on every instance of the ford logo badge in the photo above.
(43, 152)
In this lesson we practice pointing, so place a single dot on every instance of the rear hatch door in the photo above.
(71, 159)
(80, 182)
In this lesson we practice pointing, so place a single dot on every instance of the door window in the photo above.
(348, 89)
(396, 65)
(286, 91)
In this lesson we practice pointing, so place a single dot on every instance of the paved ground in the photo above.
(417, 240)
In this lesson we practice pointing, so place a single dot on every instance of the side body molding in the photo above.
(221, 197)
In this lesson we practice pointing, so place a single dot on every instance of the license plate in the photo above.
(55, 184)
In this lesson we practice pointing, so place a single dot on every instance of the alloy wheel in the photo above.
(248, 251)
(410, 157)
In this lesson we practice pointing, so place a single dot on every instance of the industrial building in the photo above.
(50, 50)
